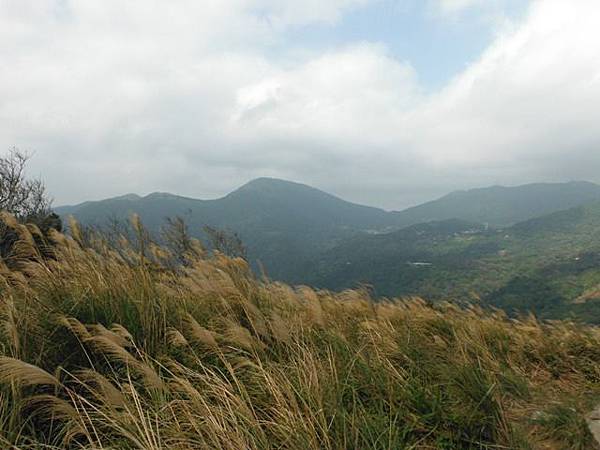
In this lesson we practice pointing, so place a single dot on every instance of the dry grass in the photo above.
(107, 347)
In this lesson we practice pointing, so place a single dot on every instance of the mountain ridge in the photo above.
(503, 205)
(277, 218)
(266, 184)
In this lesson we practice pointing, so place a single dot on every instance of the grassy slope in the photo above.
(103, 349)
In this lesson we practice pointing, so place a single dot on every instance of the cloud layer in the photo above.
(187, 97)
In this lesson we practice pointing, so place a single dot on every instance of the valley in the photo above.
(527, 248)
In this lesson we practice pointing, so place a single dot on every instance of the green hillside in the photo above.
(502, 206)
(274, 218)
(549, 265)
(277, 218)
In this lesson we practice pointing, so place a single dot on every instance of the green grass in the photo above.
(107, 348)
(565, 424)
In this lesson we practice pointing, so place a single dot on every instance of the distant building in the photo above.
(419, 264)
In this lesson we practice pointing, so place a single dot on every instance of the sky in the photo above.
(382, 102)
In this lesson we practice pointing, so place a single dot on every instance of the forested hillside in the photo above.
(501, 206)
(549, 265)
(276, 219)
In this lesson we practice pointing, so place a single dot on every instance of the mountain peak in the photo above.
(128, 197)
(157, 195)
(268, 183)
(275, 187)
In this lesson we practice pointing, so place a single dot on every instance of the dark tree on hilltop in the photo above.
(24, 198)
(28, 202)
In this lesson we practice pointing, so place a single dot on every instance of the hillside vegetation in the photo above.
(549, 265)
(277, 218)
(274, 218)
(116, 347)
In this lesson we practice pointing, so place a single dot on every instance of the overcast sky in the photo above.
(383, 102)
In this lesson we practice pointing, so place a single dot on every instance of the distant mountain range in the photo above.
(501, 206)
(281, 205)
(524, 246)
(282, 223)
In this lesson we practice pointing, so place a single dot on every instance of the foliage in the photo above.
(105, 347)
(549, 265)
(25, 198)
(26, 201)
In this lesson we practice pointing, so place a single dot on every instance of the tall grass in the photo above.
(104, 347)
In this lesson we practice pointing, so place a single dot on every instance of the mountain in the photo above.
(501, 206)
(303, 235)
(549, 265)
(263, 201)
(281, 222)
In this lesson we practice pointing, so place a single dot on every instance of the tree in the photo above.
(22, 197)
(26, 201)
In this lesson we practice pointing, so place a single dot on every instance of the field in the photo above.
(132, 346)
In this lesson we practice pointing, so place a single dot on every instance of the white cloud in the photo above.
(525, 111)
(97, 87)
(454, 6)
(533, 94)
(339, 96)
(181, 96)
